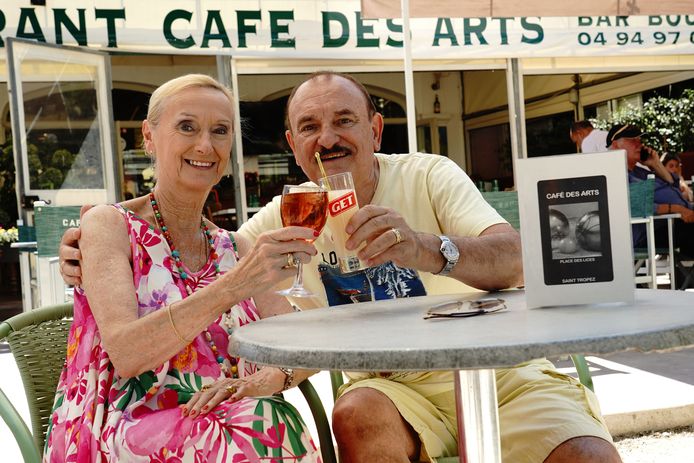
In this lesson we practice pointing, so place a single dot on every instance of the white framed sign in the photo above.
(575, 229)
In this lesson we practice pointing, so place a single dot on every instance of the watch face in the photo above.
(450, 251)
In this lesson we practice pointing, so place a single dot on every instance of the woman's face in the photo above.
(673, 166)
(192, 140)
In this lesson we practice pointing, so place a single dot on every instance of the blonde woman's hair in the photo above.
(175, 86)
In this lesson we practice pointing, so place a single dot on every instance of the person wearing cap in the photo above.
(667, 198)
(589, 139)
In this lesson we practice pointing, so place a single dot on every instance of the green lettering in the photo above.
(537, 28)
(328, 40)
(61, 19)
(603, 21)
(2, 27)
(622, 21)
(448, 34)
(27, 14)
(276, 29)
(585, 20)
(655, 20)
(362, 29)
(174, 41)
(674, 21)
(394, 27)
(477, 29)
(243, 28)
(503, 30)
(110, 16)
(689, 21)
(213, 16)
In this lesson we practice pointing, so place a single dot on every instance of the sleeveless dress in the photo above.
(101, 417)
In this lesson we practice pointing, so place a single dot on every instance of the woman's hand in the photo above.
(264, 382)
(271, 259)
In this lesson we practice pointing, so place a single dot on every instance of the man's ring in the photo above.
(398, 236)
(291, 260)
(205, 387)
(231, 390)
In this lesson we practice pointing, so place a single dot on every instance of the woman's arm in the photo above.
(137, 344)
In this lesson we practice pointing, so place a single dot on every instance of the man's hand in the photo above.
(653, 162)
(70, 255)
(386, 235)
(686, 213)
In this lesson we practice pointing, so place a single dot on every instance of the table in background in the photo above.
(392, 335)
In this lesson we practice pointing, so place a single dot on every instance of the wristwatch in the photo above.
(450, 252)
(288, 379)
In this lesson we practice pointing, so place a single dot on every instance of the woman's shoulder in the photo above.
(101, 215)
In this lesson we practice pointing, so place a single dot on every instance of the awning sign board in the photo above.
(332, 29)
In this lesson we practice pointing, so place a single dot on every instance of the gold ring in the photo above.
(205, 387)
(398, 236)
(291, 261)
(231, 390)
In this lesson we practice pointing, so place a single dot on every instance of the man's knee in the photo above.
(586, 449)
(360, 408)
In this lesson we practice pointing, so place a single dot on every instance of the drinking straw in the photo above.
(320, 166)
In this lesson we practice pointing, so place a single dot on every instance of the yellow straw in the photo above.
(320, 166)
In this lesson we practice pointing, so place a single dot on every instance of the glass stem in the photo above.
(299, 277)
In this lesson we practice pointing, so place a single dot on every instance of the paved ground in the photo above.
(672, 446)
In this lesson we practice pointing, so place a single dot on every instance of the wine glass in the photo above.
(303, 206)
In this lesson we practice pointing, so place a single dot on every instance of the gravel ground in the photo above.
(673, 446)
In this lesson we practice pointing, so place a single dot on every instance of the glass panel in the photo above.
(491, 156)
(62, 132)
(138, 170)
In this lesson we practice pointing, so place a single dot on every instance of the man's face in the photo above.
(632, 146)
(329, 115)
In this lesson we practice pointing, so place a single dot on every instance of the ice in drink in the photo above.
(342, 204)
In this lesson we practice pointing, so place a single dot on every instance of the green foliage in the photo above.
(671, 119)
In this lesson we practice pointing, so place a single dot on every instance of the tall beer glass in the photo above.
(342, 204)
(302, 206)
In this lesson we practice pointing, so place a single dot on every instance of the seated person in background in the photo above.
(588, 139)
(673, 164)
(667, 199)
(147, 375)
(408, 203)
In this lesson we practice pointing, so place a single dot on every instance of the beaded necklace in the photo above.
(228, 366)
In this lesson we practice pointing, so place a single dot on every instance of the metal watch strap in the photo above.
(288, 379)
(449, 263)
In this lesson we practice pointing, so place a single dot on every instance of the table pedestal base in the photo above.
(478, 416)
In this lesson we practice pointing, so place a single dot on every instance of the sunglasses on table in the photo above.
(464, 309)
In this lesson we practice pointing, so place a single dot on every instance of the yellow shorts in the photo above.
(539, 408)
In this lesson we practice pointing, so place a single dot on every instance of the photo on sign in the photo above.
(575, 230)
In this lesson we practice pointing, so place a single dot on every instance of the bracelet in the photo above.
(289, 378)
(173, 327)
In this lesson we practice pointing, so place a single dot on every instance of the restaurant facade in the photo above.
(76, 75)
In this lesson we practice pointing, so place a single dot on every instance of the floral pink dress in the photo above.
(101, 417)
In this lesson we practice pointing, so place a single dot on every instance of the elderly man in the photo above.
(446, 239)
(589, 139)
(667, 199)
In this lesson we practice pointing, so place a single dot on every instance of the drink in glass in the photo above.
(342, 204)
(302, 206)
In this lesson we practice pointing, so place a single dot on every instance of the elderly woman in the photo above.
(148, 376)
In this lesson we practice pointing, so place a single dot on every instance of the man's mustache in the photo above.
(337, 149)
